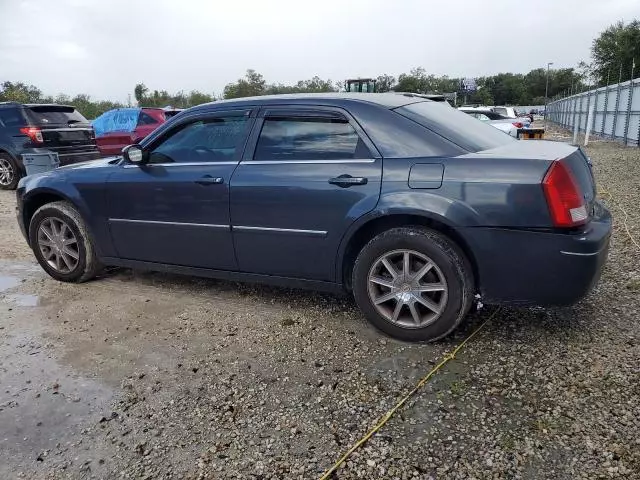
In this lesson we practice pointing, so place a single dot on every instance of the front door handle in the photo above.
(209, 180)
(346, 181)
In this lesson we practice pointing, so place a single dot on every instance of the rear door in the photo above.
(64, 130)
(307, 174)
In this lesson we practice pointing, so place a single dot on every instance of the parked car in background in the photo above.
(171, 111)
(120, 127)
(508, 112)
(39, 128)
(291, 190)
(510, 126)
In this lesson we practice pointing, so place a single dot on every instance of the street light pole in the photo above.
(546, 93)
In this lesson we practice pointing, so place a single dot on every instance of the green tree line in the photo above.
(614, 54)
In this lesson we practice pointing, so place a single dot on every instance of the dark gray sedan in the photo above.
(413, 206)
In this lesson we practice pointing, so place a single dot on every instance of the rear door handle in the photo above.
(209, 180)
(346, 181)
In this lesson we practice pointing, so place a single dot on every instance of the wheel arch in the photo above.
(367, 229)
(38, 198)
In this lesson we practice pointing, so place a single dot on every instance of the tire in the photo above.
(86, 266)
(9, 172)
(450, 277)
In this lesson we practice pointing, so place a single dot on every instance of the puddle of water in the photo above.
(23, 300)
(7, 282)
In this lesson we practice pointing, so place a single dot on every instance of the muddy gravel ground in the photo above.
(146, 375)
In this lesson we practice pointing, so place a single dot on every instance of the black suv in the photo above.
(34, 128)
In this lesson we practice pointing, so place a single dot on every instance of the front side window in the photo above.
(209, 140)
(300, 138)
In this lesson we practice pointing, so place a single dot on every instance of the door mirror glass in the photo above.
(133, 153)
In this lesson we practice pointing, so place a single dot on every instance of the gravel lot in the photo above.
(145, 375)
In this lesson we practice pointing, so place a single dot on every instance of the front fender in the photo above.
(87, 198)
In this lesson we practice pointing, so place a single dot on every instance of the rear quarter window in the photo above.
(54, 115)
(11, 117)
(146, 119)
(457, 127)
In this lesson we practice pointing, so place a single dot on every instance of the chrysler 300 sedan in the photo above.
(414, 207)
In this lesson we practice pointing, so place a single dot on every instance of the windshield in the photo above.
(456, 126)
(54, 115)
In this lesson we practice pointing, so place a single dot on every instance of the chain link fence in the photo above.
(615, 112)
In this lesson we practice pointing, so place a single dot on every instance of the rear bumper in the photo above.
(69, 158)
(539, 268)
(66, 158)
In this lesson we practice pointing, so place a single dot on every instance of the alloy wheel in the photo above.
(6, 172)
(407, 288)
(58, 245)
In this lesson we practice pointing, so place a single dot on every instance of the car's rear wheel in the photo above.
(61, 243)
(413, 283)
(9, 172)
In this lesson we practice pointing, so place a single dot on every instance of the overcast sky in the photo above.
(105, 47)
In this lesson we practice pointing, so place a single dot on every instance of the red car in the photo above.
(118, 128)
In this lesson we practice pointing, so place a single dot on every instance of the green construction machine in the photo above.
(360, 85)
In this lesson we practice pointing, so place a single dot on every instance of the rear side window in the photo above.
(501, 111)
(54, 115)
(11, 117)
(455, 126)
(297, 138)
(146, 119)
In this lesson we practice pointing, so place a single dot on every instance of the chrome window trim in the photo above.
(246, 228)
(180, 164)
(158, 222)
(286, 162)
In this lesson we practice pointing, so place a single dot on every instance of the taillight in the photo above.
(566, 204)
(517, 124)
(34, 133)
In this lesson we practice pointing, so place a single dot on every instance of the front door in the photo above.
(307, 174)
(174, 208)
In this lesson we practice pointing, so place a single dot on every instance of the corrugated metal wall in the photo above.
(616, 111)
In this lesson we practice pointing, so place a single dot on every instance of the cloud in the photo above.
(104, 48)
(68, 50)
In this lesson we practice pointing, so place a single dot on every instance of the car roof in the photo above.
(30, 105)
(385, 100)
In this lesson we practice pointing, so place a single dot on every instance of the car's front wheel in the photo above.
(61, 243)
(9, 172)
(413, 283)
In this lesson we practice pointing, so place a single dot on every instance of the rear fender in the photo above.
(432, 208)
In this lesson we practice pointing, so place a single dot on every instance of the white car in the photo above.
(508, 125)
(509, 112)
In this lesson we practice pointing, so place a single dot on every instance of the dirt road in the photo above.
(145, 375)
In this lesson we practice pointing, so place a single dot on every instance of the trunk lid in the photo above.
(571, 156)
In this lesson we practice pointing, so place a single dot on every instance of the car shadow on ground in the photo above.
(510, 322)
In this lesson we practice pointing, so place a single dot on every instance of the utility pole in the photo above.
(546, 92)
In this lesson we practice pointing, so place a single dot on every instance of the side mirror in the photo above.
(133, 153)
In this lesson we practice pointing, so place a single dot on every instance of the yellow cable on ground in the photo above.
(624, 220)
(385, 418)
